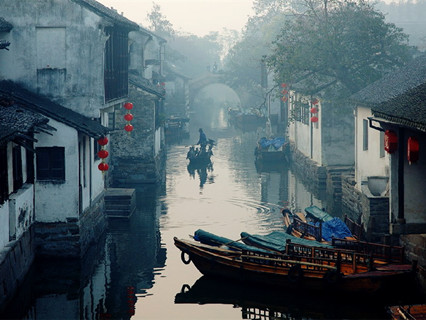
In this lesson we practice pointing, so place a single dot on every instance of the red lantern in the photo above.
(412, 150)
(284, 91)
(103, 141)
(391, 141)
(284, 99)
(128, 106)
(128, 117)
(315, 101)
(102, 154)
(314, 119)
(314, 110)
(103, 166)
(128, 127)
(283, 85)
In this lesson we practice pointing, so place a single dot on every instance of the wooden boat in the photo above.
(408, 312)
(307, 266)
(274, 150)
(200, 156)
(316, 225)
(300, 227)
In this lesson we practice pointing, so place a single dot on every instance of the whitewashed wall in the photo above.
(4, 224)
(21, 210)
(300, 134)
(71, 73)
(55, 202)
(368, 162)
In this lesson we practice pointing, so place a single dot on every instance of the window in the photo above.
(17, 168)
(30, 166)
(364, 134)
(3, 174)
(51, 163)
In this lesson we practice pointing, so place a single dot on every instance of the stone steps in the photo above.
(120, 202)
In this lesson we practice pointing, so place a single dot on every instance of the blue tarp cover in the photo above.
(214, 240)
(335, 228)
(276, 240)
(275, 142)
(317, 213)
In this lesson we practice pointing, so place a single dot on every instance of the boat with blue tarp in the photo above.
(271, 150)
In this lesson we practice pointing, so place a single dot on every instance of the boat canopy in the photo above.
(275, 142)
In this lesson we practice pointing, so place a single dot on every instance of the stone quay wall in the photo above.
(15, 261)
(72, 238)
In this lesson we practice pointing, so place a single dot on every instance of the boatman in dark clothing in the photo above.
(203, 139)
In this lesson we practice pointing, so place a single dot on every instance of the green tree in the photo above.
(338, 46)
(159, 23)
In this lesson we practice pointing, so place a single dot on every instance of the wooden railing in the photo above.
(356, 229)
(394, 254)
(307, 229)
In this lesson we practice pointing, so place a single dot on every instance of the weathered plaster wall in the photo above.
(21, 210)
(72, 74)
(57, 201)
(133, 155)
(368, 162)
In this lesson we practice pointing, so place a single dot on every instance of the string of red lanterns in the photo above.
(103, 154)
(284, 92)
(128, 117)
(314, 110)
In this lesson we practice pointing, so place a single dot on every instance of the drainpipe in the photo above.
(401, 153)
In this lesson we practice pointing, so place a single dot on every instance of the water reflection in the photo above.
(203, 172)
(255, 302)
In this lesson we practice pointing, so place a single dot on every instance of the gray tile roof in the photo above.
(40, 104)
(146, 85)
(108, 13)
(394, 83)
(400, 96)
(5, 26)
(17, 121)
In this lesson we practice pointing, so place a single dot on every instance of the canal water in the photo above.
(136, 272)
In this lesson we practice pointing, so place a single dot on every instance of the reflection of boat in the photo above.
(273, 150)
(258, 302)
(202, 169)
(301, 266)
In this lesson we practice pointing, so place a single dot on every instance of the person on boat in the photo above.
(202, 141)
(191, 153)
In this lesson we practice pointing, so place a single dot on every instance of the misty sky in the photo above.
(194, 16)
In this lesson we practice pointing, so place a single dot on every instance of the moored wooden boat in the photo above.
(300, 266)
(408, 312)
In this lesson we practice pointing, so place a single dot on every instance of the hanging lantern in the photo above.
(412, 150)
(128, 106)
(284, 91)
(314, 119)
(103, 141)
(391, 141)
(103, 166)
(103, 154)
(284, 99)
(283, 85)
(128, 117)
(314, 110)
(128, 127)
(315, 101)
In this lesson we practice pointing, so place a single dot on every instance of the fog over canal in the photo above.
(136, 272)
